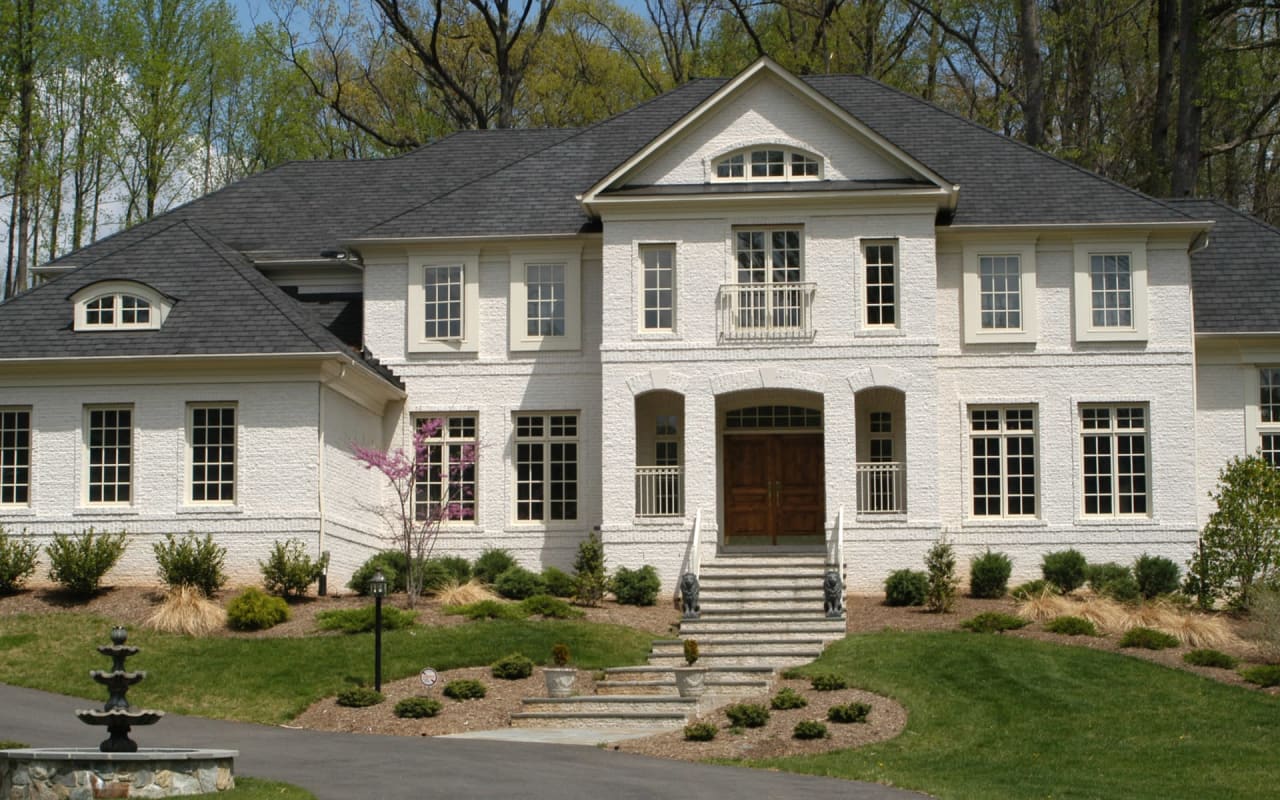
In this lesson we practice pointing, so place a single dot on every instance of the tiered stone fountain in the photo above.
(118, 767)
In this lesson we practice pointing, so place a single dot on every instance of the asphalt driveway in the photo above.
(344, 766)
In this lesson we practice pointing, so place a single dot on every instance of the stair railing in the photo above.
(689, 587)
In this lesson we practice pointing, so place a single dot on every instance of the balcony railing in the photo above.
(766, 311)
(659, 492)
(881, 488)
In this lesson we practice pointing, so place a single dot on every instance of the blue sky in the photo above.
(259, 11)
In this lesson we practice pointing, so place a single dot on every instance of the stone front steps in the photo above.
(759, 613)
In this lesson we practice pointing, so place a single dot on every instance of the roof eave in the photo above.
(945, 198)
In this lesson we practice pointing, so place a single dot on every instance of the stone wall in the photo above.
(40, 774)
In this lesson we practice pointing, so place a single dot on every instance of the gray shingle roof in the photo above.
(1235, 281)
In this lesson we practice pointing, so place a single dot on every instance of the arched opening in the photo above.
(882, 447)
(659, 454)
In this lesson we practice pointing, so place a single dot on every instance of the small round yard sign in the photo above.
(429, 677)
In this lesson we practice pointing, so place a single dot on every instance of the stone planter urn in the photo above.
(691, 681)
(560, 681)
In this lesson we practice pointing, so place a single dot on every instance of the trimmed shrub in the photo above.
(559, 583)
(560, 654)
(828, 682)
(464, 689)
(787, 698)
(255, 610)
(1032, 589)
(418, 707)
(690, 648)
(517, 583)
(1211, 658)
(359, 697)
(488, 609)
(191, 561)
(588, 571)
(492, 562)
(1148, 639)
(989, 575)
(288, 571)
(906, 587)
(79, 562)
(700, 731)
(512, 667)
(459, 568)
(1071, 626)
(393, 566)
(1124, 589)
(940, 564)
(747, 715)
(1264, 676)
(849, 713)
(635, 587)
(362, 620)
(17, 561)
(1156, 575)
(544, 605)
(1065, 569)
(793, 673)
(1099, 575)
(436, 574)
(993, 622)
(809, 729)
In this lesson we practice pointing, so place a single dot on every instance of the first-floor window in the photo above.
(546, 467)
(15, 456)
(1269, 414)
(446, 486)
(1115, 468)
(212, 437)
(1002, 443)
(109, 442)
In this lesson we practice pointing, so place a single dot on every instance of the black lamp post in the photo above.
(378, 588)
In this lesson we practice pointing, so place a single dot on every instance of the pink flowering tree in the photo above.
(432, 484)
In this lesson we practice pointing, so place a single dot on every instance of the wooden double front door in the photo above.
(774, 489)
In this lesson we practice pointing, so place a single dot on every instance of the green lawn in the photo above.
(272, 680)
(254, 789)
(1000, 717)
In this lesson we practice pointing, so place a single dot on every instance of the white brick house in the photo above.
(789, 312)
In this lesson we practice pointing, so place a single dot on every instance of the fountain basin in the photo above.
(85, 773)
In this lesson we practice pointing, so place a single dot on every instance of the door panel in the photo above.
(774, 489)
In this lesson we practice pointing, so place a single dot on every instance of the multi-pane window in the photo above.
(802, 166)
(763, 417)
(880, 444)
(1269, 410)
(545, 291)
(667, 441)
(442, 301)
(768, 258)
(1002, 443)
(732, 167)
(445, 488)
(881, 261)
(659, 287)
(1111, 290)
(118, 311)
(15, 456)
(546, 467)
(212, 440)
(109, 440)
(768, 164)
(1000, 292)
(1115, 468)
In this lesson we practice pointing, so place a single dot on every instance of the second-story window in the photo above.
(769, 266)
(1000, 292)
(881, 264)
(545, 288)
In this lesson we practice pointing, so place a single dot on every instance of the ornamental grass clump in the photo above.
(187, 610)
(700, 731)
(417, 707)
(849, 713)
(464, 689)
(993, 622)
(79, 562)
(1148, 639)
(787, 698)
(989, 575)
(463, 594)
(191, 561)
(359, 697)
(18, 557)
(809, 729)
(513, 667)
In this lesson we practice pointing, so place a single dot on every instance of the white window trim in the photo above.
(418, 341)
(31, 458)
(188, 497)
(513, 470)
(970, 435)
(1025, 250)
(84, 456)
(1081, 517)
(518, 301)
(1085, 330)
(639, 310)
(446, 441)
(1255, 428)
(861, 283)
(745, 151)
(160, 305)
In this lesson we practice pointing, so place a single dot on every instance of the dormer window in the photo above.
(119, 305)
(769, 164)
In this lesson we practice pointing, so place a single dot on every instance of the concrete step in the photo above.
(802, 561)
(715, 597)
(716, 674)
(668, 687)
(783, 575)
(746, 602)
(736, 658)
(554, 719)
(738, 626)
(612, 704)
(779, 612)
(711, 647)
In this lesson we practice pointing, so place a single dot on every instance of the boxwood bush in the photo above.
(906, 587)
(747, 715)
(700, 731)
(635, 587)
(1065, 569)
(417, 707)
(849, 713)
(559, 583)
(513, 667)
(810, 729)
(464, 689)
(255, 610)
(989, 575)
(828, 682)
(1156, 575)
(787, 698)
(492, 562)
(517, 583)
(359, 697)
(391, 563)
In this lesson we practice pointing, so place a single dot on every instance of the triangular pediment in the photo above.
(766, 107)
